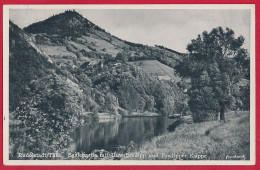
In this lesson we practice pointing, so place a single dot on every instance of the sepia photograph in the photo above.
(129, 84)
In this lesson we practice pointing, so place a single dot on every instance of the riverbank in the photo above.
(144, 114)
(215, 140)
(106, 117)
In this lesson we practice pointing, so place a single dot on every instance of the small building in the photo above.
(74, 67)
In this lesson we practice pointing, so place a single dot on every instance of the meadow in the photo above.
(212, 140)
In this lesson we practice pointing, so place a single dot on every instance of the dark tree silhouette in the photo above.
(212, 65)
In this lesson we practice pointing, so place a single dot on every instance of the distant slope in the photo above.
(82, 38)
(162, 71)
(74, 32)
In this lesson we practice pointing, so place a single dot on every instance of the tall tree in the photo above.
(213, 64)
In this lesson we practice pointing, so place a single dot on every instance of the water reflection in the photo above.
(110, 135)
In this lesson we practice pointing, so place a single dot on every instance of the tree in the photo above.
(245, 97)
(121, 57)
(212, 65)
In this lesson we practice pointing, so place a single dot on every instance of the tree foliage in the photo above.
(138, 91)
(49, 114)
(215, 64)
(121, 57)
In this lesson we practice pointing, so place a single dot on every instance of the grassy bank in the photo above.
(106, 117)
(215, 140)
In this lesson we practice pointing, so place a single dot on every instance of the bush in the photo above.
(121, 57)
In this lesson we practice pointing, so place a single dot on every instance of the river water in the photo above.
(121, 132)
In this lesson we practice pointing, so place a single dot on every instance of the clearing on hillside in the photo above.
(162, 71)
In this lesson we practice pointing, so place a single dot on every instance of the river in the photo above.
(121, 132)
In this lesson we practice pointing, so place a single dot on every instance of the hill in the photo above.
(83, 38)
(69, 23)
(82, 53)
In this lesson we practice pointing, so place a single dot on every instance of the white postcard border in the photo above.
(6, 160)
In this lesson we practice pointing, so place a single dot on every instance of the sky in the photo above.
(172, 28)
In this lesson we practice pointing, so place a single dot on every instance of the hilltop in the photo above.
(69, 23)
